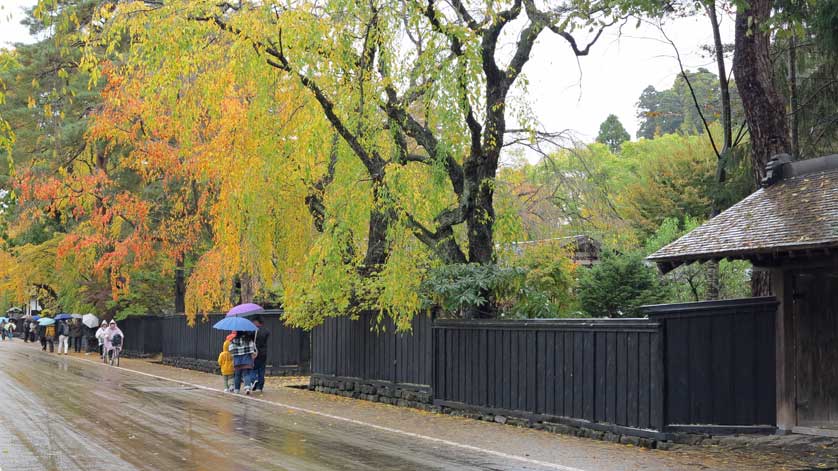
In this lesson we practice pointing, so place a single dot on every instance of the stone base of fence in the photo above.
(563, 425)
(191, 364)
(137, 355)
(421, 397)
(385, 392)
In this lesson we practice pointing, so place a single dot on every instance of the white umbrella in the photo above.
(90, 320)
(76, 316)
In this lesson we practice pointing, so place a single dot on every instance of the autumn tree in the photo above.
(416, 94)
(76, 203)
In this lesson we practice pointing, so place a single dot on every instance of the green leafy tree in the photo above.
(674, 111)
(612, 133)
(549, 283)
(618, 285)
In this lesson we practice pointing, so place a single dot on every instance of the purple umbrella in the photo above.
(243, 310)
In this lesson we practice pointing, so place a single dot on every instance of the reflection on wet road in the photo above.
(65, 413)
(62, 413)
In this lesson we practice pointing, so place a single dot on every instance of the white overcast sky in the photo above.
(564, 94)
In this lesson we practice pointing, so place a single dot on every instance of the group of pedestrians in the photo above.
(243, 359)
(69, 335)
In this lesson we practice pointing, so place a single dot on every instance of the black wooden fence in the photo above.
(719, 362)
(606, 371)
(287, 347)
(143, 334)
(346, 348)
(687, 366)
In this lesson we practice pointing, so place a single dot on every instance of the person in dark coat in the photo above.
(262, 336)
(75, 335)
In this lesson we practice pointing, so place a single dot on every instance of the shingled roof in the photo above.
(797, 212)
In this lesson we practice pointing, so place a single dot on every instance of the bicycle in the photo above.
(109, 357)
(115, 355)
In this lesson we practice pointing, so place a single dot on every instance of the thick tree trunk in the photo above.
(764, 107)
(379, 225)
(481, 225)
(247, 291)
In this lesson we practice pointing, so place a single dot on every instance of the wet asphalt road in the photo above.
(61, 413)
(64, 413)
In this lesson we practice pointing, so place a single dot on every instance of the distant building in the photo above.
(586, 250)
(14, 312)
(32, 307)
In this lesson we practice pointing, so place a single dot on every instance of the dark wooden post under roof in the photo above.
(785, 361)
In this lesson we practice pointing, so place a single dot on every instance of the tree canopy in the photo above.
(334, 157)
(673, 110)
(612, 133)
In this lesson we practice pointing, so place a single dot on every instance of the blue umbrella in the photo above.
(3, 319)
(235, 323)
(46, 321)
(35, 318)
(62, 317)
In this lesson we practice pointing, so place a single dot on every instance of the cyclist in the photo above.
(100, 337)
(114, 339)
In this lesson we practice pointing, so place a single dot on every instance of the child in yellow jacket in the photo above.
(225, 362)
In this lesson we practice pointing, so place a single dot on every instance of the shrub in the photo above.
(536, 284)
(618, 286)
(460, 290)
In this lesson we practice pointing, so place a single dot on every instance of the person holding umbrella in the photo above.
(47, 333)
(75, 334)
(243, 349)
(63, 336)
(262, 336)
(33, 330)
(89, 325)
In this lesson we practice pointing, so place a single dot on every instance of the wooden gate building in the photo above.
(790, 229)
